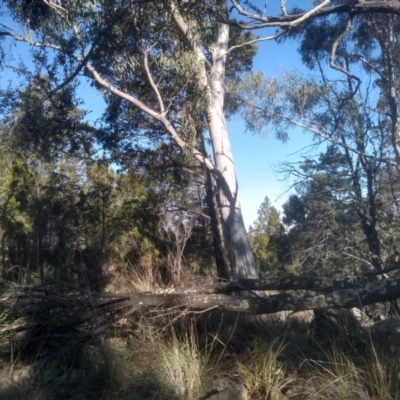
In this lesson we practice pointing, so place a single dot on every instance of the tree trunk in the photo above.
(304, 294)
(218, 242)
(213, 212)
(368, 220)
(216, 228)
(240, 254)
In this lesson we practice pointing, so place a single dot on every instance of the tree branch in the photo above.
(333, 64)
(290, 20)
(183, 27)
(253, 41)
(314, 294)
(152, 83)
(284, 22)
(330, 138)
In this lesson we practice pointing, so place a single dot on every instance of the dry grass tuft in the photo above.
(174, 365)
(336, 375)
(261, 370)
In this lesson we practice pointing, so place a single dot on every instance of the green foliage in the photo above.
(66, 212)
(329, 214)
(149, 56)
(294, 211)
(263, 237)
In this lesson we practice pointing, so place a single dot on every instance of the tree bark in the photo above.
(240, 254)
(288, 20)
(373, 292)
(218, 240)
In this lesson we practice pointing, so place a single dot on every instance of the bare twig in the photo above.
(263, 39)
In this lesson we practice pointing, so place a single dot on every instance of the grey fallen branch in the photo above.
(59, 308)
(302, 294)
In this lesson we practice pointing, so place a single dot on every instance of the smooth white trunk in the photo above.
(240, 254)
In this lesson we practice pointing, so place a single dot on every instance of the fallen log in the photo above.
(68, 306)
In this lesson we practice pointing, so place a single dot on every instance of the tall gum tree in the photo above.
(240, 254)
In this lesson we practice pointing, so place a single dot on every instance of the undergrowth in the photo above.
(193, 356)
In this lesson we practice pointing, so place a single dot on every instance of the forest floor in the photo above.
(210, 355)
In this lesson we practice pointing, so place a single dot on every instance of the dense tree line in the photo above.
(72, 210)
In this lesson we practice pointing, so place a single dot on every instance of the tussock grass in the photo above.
(261, 370)
(136, 278)
(336, 374)
(174, 364)
(334, 377)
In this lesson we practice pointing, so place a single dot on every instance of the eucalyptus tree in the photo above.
(262, 233)
(363, 50)
(354, 108)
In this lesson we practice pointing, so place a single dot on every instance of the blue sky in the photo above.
(256, 156)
